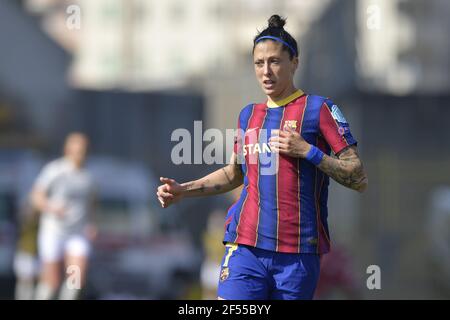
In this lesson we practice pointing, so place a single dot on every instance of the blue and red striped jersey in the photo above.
(283, 204)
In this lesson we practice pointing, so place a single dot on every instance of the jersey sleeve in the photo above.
(46, 177)
(335, 128)
(237, 139)
(242, 123)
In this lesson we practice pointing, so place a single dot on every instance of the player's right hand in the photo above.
(170, 192)
(58, 209)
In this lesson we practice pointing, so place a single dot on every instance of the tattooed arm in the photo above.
(220, 181)
(347, 169)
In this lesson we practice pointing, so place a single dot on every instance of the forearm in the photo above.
(39, 200)
(220, 181)
(348, 172)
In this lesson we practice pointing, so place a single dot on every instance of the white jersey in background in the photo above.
(70, 187)
(73, 188)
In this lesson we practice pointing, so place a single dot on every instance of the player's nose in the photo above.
(266, 69)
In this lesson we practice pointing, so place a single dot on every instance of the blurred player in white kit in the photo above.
(64, 194)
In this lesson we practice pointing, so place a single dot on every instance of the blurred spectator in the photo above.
(64, 193)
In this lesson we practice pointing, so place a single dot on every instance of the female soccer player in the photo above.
(63, 193)
(277, 230)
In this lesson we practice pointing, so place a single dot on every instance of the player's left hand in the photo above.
(289, 142)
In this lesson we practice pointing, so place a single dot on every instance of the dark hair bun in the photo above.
(276, 21)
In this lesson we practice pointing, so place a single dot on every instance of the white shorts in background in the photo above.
(54, 246)
(209, 274)
(26, 265)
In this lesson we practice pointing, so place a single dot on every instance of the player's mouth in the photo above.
(268, 84)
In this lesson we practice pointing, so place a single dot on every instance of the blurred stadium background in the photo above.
(136, 70)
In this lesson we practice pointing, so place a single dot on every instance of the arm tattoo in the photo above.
(236, 166)
(226, 175)
(220, 181)
(346, 170)
(190, 187)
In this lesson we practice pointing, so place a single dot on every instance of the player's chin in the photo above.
(268, 92)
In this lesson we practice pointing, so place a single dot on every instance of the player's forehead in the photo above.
(268, 49)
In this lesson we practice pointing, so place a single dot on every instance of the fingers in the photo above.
(278, 139)
(288, 128)
(274, 146)
(164, 191)
(274, 149)
(278, 147)
(164, 201)
(164, 197)
(286, 132)
(282, 133)
(278, 144)
(167, 180)
(277, 133)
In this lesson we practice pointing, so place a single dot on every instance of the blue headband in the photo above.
(279, 40)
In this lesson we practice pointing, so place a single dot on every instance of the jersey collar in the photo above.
(285, 101)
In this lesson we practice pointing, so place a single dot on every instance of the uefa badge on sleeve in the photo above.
(343, 130)
(224, 274)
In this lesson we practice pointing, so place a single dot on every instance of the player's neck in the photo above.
(284, 94)
(77, 165)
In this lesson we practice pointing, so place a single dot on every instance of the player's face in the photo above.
(274, 69)
(76, 149)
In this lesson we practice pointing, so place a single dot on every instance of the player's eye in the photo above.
(259, 63)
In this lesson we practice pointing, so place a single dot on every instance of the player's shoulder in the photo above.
(248, 107)
(328, 104)
(247, 111)
(56, 165)
(322, 100)
(324, 103)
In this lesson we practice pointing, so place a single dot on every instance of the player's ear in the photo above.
(294, 64)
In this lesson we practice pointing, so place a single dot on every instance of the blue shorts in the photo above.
(250, 273)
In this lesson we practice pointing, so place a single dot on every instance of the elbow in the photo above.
(34, 200)
(360, 179)
(362, 185)
(236, 177)
(37, 201)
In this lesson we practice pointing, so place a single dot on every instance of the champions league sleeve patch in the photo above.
(337, 115)
(340, 119)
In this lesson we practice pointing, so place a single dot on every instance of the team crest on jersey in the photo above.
(337, 114)
(291, 123)
(224, 274)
